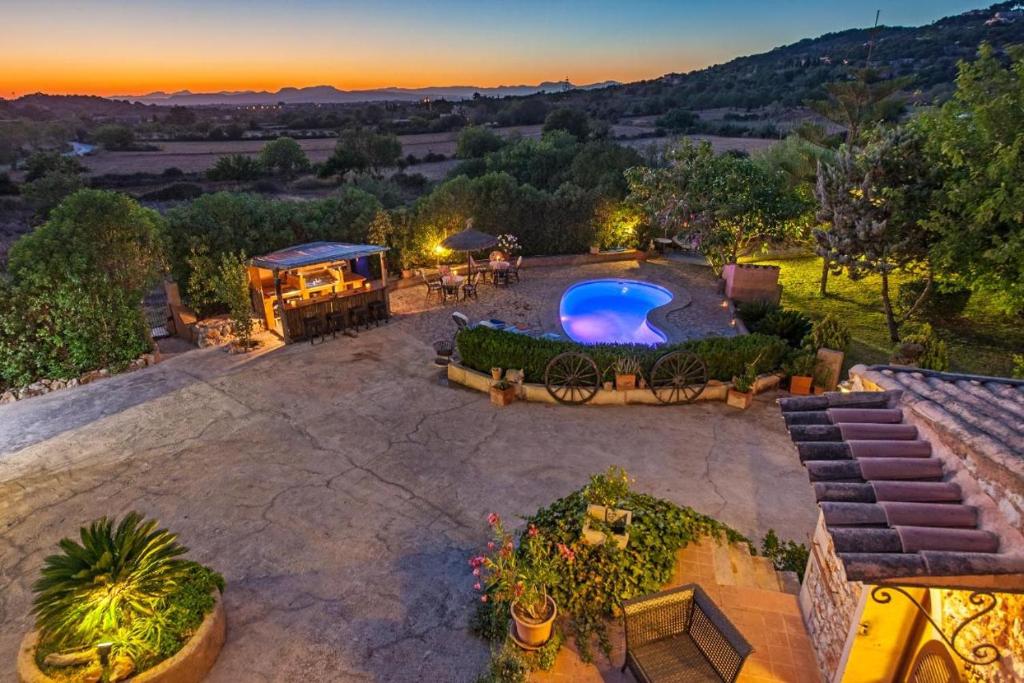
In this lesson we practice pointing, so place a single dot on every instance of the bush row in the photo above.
(482, 348)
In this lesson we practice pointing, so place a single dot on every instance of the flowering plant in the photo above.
(509, 244)
(607, 488)
(519, 576)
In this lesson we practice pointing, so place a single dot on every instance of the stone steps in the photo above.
(731, 565)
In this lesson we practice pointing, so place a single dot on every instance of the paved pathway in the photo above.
(341, 487)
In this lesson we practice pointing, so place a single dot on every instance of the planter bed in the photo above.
(189, 665)
(538, 393)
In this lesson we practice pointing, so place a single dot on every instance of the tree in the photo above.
(359, 149)
(284, 156)
(43, 194)
(876, 202)
(859, 103)
(723, 203)
(232, 287)
(979, 213)
(235, 167)
(114, 137)
(41, 163)
(572, 121)
(678, 120)
(476, 142)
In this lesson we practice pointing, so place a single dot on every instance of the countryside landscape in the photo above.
(676, 343)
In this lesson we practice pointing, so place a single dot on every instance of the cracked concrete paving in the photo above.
(340, 489)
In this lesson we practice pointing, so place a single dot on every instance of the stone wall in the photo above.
(1003, 627)
(828, 601)
(45, 386)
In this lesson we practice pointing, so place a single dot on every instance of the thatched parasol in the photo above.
(469, 240)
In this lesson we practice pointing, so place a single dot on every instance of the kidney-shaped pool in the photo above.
(612, 312)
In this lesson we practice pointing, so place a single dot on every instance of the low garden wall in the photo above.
(538, 393)
(45, 386)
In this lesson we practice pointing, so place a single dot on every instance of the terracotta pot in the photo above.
(502, 397)
(819, 390)
(495, 374)
(625, 382)
(800, 385)
(740, 399)
(531, 633)
(406, 274)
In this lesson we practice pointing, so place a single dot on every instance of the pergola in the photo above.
(313, 280)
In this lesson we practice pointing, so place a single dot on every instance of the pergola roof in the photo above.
(893, 508)
(315, 252)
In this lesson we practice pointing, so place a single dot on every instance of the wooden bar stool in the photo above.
(314, 327)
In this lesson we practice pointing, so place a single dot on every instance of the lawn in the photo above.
(982, 340)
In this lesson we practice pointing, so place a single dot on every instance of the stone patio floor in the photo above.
(341, 487)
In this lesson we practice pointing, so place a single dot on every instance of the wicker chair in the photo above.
(680, 635)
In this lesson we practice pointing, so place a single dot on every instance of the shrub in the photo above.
(114, 137)
(946, 300)
(43, 163)
(922, 349)
(284, 156)
(43, 194)
(752, 312)
(235, 167)
(786, 556)
(829, 333)
(477, 141)
(232, 287)
(786, 324)
(482, 349)
(78, 281)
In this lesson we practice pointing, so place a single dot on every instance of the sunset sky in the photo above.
(107, 47)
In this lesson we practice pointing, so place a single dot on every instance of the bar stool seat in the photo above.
(378, 311)
(359, 315)
(337, 321)
(314, 327)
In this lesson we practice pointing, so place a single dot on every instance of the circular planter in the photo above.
(189, 665)
(534, 634)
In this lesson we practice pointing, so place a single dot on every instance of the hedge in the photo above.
(482, 348)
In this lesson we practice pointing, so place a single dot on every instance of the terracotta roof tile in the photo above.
(883, 492)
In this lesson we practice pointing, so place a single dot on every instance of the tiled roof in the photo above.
(887, 500)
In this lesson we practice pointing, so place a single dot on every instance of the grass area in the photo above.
(981, 341)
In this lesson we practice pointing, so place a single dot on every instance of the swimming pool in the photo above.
(612, 311)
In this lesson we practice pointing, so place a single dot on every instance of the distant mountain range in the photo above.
(327, 94)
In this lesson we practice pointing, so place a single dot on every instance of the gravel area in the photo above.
(533, 302)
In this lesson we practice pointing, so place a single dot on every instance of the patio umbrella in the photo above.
(469, 240)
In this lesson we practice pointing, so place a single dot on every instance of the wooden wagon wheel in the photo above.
(678, 377)
(572, 377)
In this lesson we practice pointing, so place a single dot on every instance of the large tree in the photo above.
(875, 202)
(859, 103)
(724, 203)
(359, 149)
(978, 136)
(284, 156)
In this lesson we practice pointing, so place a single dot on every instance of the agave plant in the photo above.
(99, 587)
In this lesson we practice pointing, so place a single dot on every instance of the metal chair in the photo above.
(513, 269)
(469, 286)
(433, 285)
(680, 635)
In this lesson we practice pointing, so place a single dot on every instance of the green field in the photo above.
(982, 340)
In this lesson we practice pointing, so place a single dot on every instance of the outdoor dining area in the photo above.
(308, 291)
(448, 284)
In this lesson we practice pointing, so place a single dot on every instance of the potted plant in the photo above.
(519, 577)
(123, 603)
(605, 518)
(503, 392)
(626, 370)
(800, 369)
(495, 374)
(741, 393)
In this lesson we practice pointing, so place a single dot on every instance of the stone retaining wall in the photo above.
(45, 386)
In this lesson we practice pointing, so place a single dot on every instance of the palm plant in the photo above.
(99, 587)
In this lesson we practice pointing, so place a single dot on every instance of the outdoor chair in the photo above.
(313, 326)
(469, 287)
(450, 289)
(680, 635)
(433, 285)
(513, 270)
(461, 320)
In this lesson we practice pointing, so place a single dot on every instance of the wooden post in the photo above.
(280, 306)
(384, 283)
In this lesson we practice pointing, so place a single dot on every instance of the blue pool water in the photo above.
(612, 311)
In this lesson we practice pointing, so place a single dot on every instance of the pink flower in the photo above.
(483, 598)
(566, 552)
(476, 561)
(493, 518)
(532, 530)
(476, 586)
(490, 545)
(476, 571)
